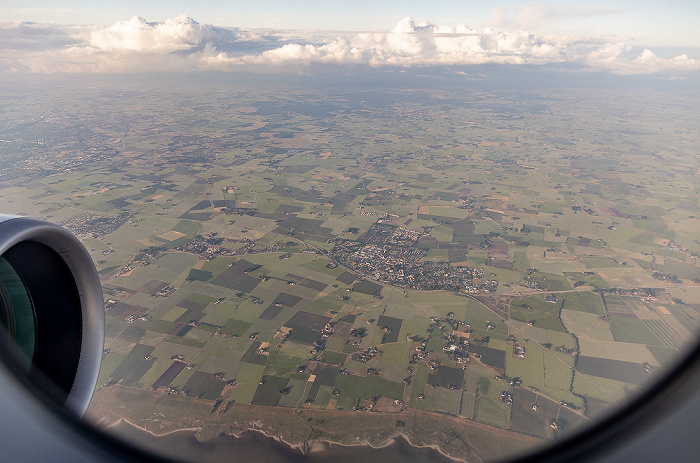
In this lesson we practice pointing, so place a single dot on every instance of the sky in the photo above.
(622, 36)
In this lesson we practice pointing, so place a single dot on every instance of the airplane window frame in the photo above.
(654, 407)
(622, 429)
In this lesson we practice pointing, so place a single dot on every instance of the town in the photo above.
(387, 253)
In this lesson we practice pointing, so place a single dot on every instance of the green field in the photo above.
(542, 314)
(217, 213)
(248, 378)
(632, 330)
(607, 390)
(369, 386)
(489, 409)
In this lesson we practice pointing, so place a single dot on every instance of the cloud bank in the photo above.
(183, 44)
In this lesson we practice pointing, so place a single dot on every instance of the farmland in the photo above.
(278, 259)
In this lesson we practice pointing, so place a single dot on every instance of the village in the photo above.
(387, 253)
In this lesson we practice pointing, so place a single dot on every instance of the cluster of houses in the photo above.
(507, 397)
(165, 291)
(367, 354)
(387, 253)
(91, 226)
(206, 247)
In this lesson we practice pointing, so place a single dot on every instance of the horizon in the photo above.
(646, 22)
(595, 38)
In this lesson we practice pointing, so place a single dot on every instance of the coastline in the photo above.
(141, 428)
(307, 435)
(389, 442)
(316, 450)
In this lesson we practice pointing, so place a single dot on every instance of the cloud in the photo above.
(136, 34)
(182, 43)
(646, 63)
(533, 16)
(31, 36)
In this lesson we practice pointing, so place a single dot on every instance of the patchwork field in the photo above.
(521, 266)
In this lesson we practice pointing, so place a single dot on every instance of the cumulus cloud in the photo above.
(136, 34)
(182, 43)
(410, 44)
(608, 57)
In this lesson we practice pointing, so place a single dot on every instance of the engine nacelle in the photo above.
(52, 311)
